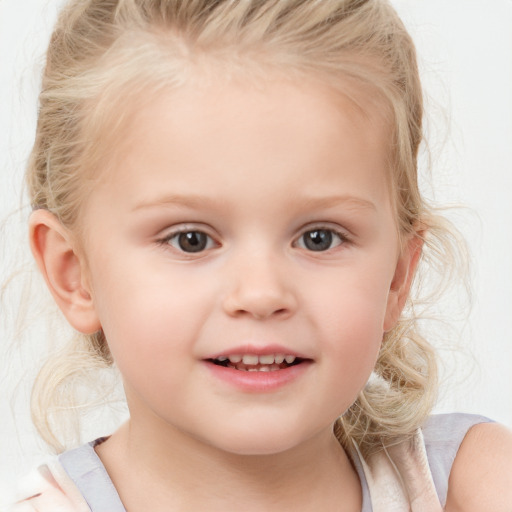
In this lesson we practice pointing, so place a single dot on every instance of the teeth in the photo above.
(279, 358)
(250, 359)
(271, 361)
(265, 368)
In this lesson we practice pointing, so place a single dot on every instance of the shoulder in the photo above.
(481, 475)
(443, 435)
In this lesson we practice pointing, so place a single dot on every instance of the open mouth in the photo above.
(255, 363)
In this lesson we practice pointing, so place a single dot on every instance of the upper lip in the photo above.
(262, 350)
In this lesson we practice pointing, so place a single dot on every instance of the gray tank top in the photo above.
(442, 434)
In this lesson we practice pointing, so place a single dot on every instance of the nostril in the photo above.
(267, 314)
(259, 300)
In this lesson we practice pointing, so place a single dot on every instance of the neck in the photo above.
(182, 473)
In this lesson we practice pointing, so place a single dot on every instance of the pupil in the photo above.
(193, 241)
(318, 240)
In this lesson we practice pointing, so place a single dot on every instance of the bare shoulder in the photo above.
(481, 476)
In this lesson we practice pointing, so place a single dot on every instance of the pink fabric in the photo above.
(399, 478)
(49, 489)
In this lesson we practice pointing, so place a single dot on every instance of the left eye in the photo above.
(190, 241)
(321, 239)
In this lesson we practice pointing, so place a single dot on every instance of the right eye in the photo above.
(192, 241)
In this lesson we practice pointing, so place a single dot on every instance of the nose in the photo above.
(261, 289)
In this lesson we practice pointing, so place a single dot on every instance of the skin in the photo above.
(481, 476)
(255, 169)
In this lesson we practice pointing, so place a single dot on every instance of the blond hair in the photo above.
(102, 46)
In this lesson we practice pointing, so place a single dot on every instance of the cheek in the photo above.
(150, 339)
(354, 303)
(146, 319)
(356, 335)
(352, 319)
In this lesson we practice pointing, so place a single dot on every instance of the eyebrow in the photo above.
(198, 201)
(191, 201)
(346, 200)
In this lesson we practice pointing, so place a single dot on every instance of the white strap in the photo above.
(399, 478)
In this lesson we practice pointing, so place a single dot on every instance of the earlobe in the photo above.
(62, 270)
(402, 281)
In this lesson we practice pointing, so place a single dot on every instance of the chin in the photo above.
(263, 442)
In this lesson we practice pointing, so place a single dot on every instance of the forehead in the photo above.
(219, 134)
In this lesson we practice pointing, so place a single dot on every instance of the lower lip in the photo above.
(258, 382)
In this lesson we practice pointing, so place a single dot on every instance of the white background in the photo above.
(465, 49)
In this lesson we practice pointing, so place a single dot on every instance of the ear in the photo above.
(402, 280)
(63, 270)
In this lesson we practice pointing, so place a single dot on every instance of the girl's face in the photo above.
(235, 227)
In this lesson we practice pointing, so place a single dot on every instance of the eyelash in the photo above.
(210, 242)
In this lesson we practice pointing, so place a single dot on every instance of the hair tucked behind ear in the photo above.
(101, 48)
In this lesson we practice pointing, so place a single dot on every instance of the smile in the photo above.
(257, 363)
(258, 369)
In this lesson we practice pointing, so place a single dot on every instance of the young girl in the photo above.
(225, 204)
